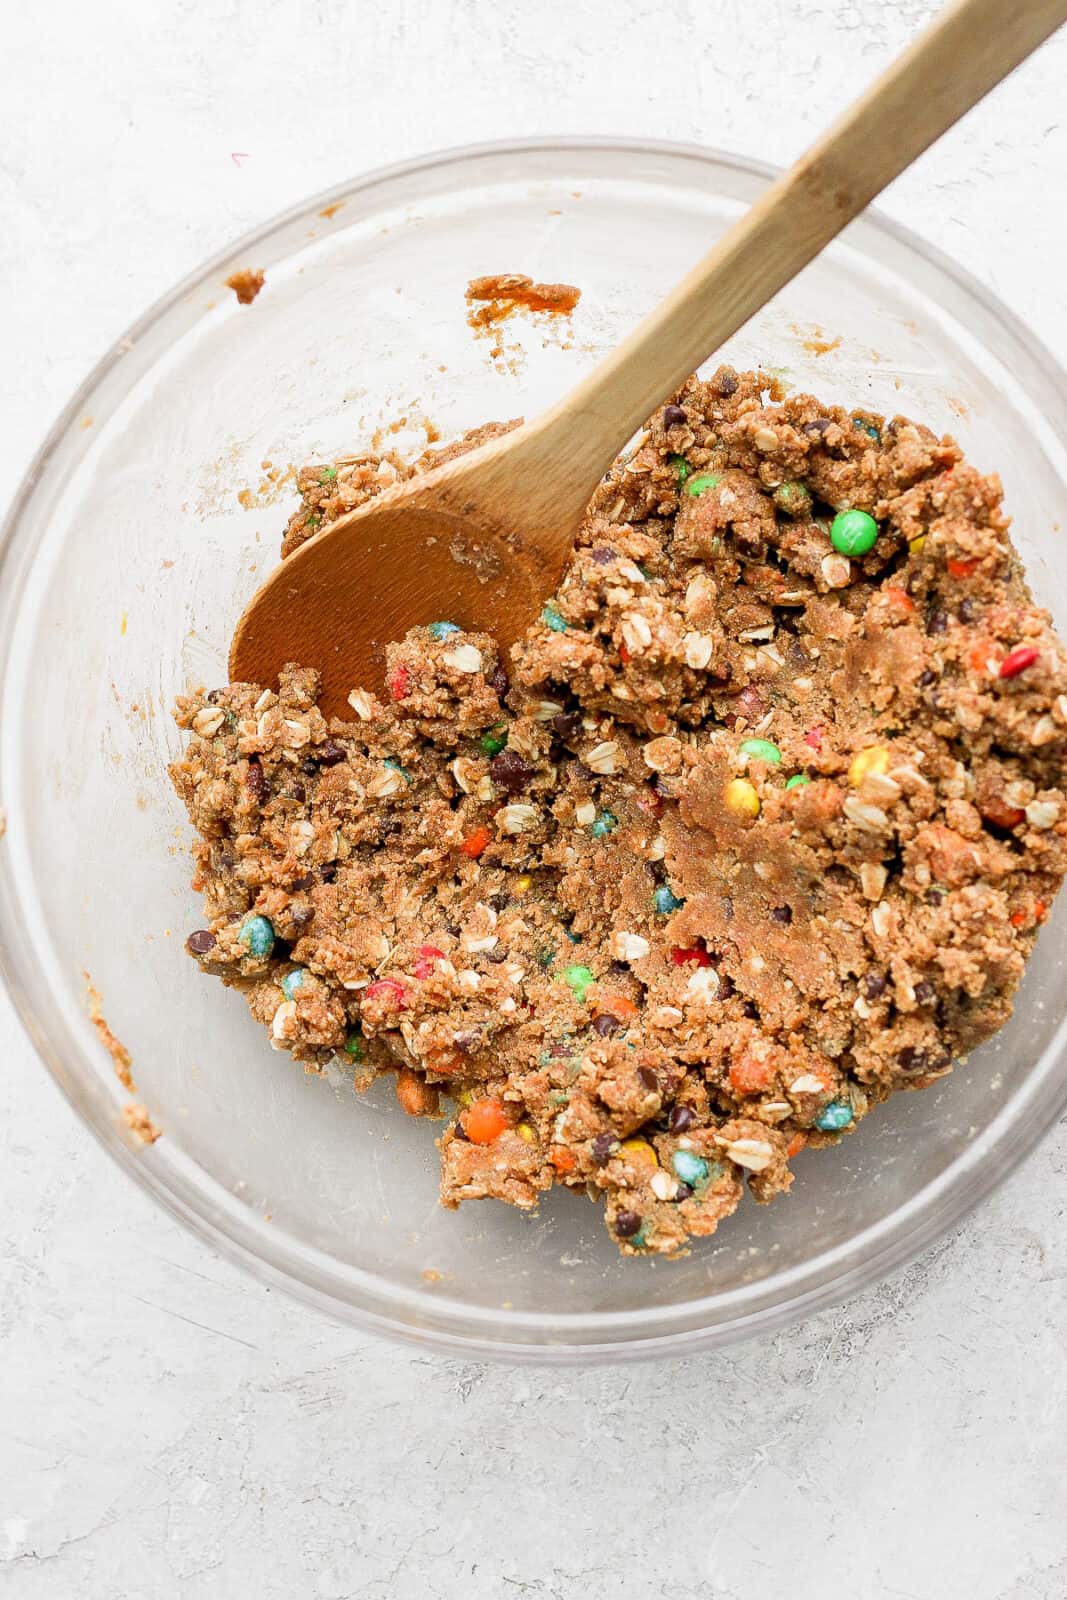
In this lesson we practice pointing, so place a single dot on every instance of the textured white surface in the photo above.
(168, 1427)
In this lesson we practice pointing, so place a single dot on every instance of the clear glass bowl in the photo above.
(125, 560)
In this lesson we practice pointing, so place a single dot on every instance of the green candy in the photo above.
(762, 750)
(793, 499)
(328, 474)
(579, 980)
(681, 467)
(354, 1046)
(394, 766)
(798, 781)
(495, 740)
(853, 533)
(702, 481)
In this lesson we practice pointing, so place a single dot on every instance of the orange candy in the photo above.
(475, 843)
(484, 1121)
(749, 1075)
(983, 656)
(899, 597)
(562, 1159)
(619, 1006)
(795, 1145)
(961, 569)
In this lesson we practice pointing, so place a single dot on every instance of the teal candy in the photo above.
(835, 1116)
(257, 935)
(293, 981)
(691, 1168)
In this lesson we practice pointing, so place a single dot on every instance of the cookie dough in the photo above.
(756, 826)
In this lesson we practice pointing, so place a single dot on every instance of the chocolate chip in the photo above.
(937, 622)
(328, 871)
(818, 426)
(648, 1079)
(674, 417)
(967, 611)
(874, 984)
(783, 914)
(726, 986)
(566, 724)
(309, 766)
(200, 942)
(934, 896)
(460, 1132)
(499, 901)
(726, 382)
(928, 677)
(924, 992)
(683, 1192)
(605, 1025)
(295, 791)
(302, 915)
(627, 1223)
(617, 968)
(602, 1147)
(680, 1119)
(466, 1042)
(304, 881)
(912, 1060)
(750, 1009)
(495, 956)
(500, 683)
(510, 771)
(603, 554)
(788, 621)
(332, 753)
(256, 780)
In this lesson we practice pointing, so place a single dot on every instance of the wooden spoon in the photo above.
(483, 540)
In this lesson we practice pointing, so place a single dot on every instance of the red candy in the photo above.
(399, 683)
(429, 956)
(1017, 660)
(813, 738)
(680, 957)
(624, 655)
(390, 987)
(961, 569)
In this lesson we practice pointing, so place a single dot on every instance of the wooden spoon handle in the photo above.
(965, 52)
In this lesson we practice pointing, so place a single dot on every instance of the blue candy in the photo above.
(293, 981)
(552, 618)
(691, 1168)
(606, 823)
(665, 901)
(257, 935)
(835, 1116)
(444, 630)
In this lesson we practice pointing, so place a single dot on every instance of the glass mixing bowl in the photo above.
(142, 527)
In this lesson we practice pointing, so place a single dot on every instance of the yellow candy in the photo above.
(741, 798)
(874, 759)
(525, 1131)
(916, 545)
(523, 883)
(464, 1098)
(639, 1150)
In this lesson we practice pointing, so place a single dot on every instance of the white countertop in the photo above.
(912, 1443)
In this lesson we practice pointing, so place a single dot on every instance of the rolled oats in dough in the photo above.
(747, 834)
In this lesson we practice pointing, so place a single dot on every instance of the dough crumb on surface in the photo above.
(139, 1122)
(120, 1056)
(755, 827)
(246, 284)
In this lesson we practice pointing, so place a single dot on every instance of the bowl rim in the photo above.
(1028, 1114)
